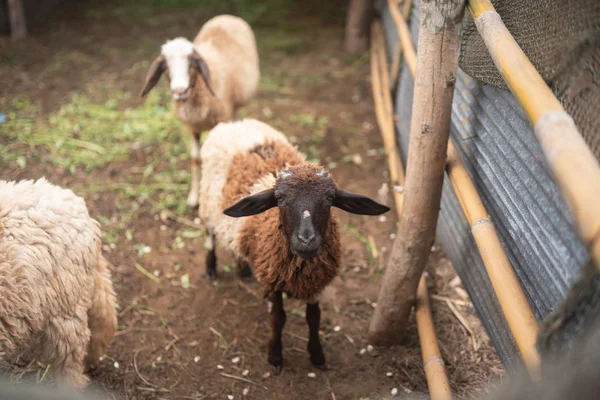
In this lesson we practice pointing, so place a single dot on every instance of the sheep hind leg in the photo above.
(315, 350)
(102, 316)
(244, 269)
(277, 318)
(65, 348)
(211, 254)
(193, 200)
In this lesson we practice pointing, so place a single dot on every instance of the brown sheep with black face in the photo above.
(282, 224)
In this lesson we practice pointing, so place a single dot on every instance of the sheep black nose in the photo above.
(306, 237)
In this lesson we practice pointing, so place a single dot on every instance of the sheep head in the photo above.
(305, 194)
(183, 64)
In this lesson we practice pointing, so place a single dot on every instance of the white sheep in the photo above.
(283, 227)
(224, 56)
(57, 302)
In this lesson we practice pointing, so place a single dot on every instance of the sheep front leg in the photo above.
(277, 317)
(193, 196)
(313, 318)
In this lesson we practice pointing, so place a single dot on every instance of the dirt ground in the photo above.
(181, 337)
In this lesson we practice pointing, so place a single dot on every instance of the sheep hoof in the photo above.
(192, 201)
(277, 370)
(245, 273)
(317, 358)
(318, 361)
(322, 367)
(211, 274)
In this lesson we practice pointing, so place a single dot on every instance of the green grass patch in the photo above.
(316, 131)
(284, 42)
(83, 134)
(354, 231)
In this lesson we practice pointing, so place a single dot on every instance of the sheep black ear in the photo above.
(252, 205)
(159, 65)
(358, 204)
(200, 65)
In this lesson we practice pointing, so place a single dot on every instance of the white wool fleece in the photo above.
(50, 249)
(222, 144)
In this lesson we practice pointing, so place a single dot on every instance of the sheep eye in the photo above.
(330, 198)
(279, 198)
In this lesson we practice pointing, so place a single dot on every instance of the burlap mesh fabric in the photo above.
(562, 40)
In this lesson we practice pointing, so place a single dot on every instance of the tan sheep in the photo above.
(224, 57)
(57, 303)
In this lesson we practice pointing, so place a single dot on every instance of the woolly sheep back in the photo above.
(52, 278)
(229, 47)
(223, 143)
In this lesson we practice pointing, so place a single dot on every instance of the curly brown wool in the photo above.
(278, 269)
(247, 168)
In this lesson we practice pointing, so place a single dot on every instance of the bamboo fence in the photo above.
(575, 168)
(511, 297)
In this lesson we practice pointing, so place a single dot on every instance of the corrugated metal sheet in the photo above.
(506, 163)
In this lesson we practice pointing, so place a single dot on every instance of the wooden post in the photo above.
(358, 20)
(435, 372)
(437, 61)
(18, 26)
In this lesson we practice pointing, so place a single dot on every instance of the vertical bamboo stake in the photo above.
(511, 297)
(397, 59)
(384, 112)
(18, 26)
(575, 168)
(435, 372)
(434, 88)
(512, 300)
(403, 38)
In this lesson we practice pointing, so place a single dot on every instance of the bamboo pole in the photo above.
(511, 297)
(384, 112)
(397, 59)
(18, 26)
(575, 168)
(433, 364)
(435, 372)
(430, 125)
(512, 300)
(403, 39)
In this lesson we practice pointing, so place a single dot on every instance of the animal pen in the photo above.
(491, 146)
(511, 160)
